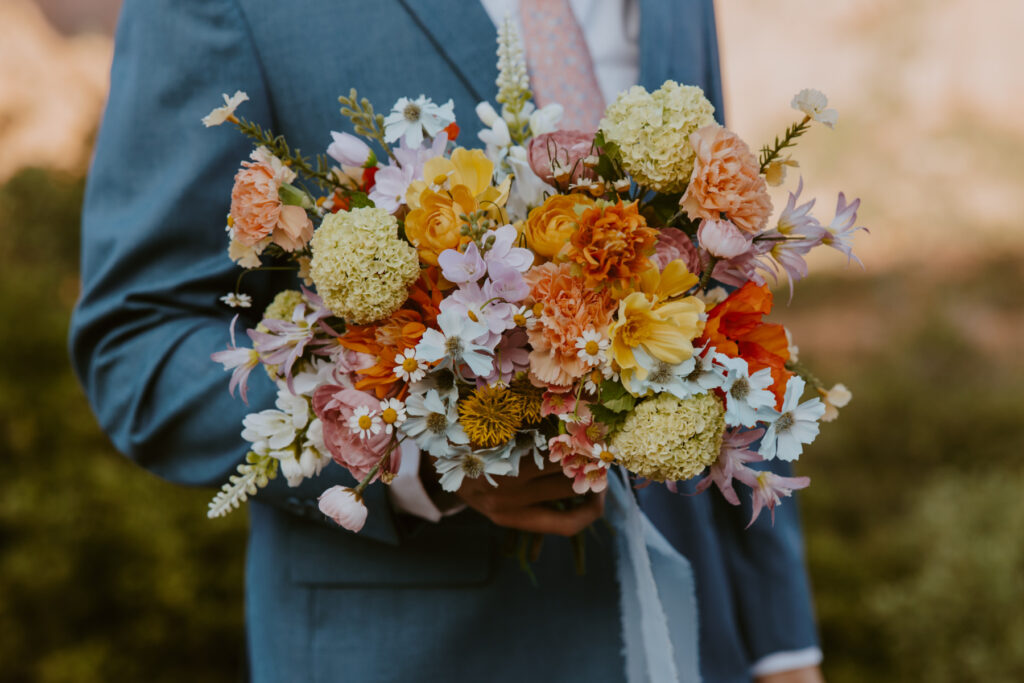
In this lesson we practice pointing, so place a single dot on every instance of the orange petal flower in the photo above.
(550, 226)
(612, 244)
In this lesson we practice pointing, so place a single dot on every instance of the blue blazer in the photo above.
(404, 600)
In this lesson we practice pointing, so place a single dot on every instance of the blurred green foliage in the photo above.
(915, 522)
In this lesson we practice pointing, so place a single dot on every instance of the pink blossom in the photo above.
(674, 244)
(240, 361)
(769, 489)
(348, 150)
(344, 506)
(575, 452)
(462, 267)
(562, 151)
(841, 230)
(510, 357)
(335, 405)
(722, 239)
(558, 401)
(733, 458)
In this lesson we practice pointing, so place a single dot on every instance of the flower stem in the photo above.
(705, 277)
(358, 490)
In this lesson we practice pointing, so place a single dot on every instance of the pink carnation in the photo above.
(334, 405)
(674, 244)
(257, 211)
(575, 452)
(726, 180)
(563, 149)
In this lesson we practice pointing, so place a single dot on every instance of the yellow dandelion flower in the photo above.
(530, 398)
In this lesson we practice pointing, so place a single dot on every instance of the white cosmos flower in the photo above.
(410, 119)
(269, 430)
(454, 343)
(432, 423)
(460, 462)
(814, 103)
(222, 114)
(746, 396)
(364, 422)
(794, 425)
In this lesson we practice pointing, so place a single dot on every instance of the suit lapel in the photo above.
(465, 37)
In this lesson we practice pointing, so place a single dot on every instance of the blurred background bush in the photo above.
(915, 520)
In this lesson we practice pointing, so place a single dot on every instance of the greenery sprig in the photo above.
(364, 120)
(255, 473)
(279, 147)
(770, 154)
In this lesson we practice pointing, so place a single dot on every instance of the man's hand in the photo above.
(519, 502)
(811, 674)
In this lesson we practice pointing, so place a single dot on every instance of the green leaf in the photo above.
(614, 397)
(607, 417)
(359, 200)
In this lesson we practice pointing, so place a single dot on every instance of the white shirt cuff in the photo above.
(777, 662)
(407, 492)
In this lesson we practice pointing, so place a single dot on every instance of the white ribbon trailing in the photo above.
(659, 607)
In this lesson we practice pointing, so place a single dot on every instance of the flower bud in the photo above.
(344, 506)
(723, 239)
(348, 150)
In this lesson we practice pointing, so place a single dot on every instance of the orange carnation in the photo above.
(550, 225)
(435, 225)
(568, 308)
(612, 244)
(726, 181)
(735, 328)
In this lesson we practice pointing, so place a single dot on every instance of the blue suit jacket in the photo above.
(403, 600)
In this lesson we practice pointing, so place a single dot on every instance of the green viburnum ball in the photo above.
(652, 132)
(361, 268)
(669, 439)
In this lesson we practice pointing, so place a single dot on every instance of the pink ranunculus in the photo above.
(674, 244)
(723, 239)
(726, 181)
(334, 405)
(563, 149)
(344, 506)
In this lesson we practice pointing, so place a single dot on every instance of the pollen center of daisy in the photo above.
(607, 456)
(389, 415)
(365, 422)
(473, 466)
(437, 423)
(592, 348)
(662, 373)
(538, 308)
(453, 347)
(519, 319)
(411, 113)
(410, 364)
(784, 423)
(740, 389)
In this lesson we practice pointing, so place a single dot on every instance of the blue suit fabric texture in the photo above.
(404, 600)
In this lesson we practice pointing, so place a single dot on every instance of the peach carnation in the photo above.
(569, 307)
(612, 244)
(256, 208)
(726, 181)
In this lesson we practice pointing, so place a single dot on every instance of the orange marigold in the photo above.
(612, 245)
(736, 328)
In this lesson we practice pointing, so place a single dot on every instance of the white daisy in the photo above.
(794, 425)
(432, 424)
(410, 119)
(408, 367)
(392, 414)
(524, 317)
(591, 347)
(364, 422)
(463, 461)
(237, 300)
(604, 453)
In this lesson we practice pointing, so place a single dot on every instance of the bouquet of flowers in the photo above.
(585, 300)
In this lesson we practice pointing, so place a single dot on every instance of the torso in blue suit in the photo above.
(403, 601)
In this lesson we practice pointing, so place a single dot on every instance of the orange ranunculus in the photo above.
(435, 225)
(550, 225)
(611, 245)
(735, 328)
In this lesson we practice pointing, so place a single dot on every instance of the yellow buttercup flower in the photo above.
(469, 168)
(655, 320)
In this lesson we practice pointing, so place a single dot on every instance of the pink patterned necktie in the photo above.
(560, 66)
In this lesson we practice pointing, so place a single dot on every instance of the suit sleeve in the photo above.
(154, 258)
